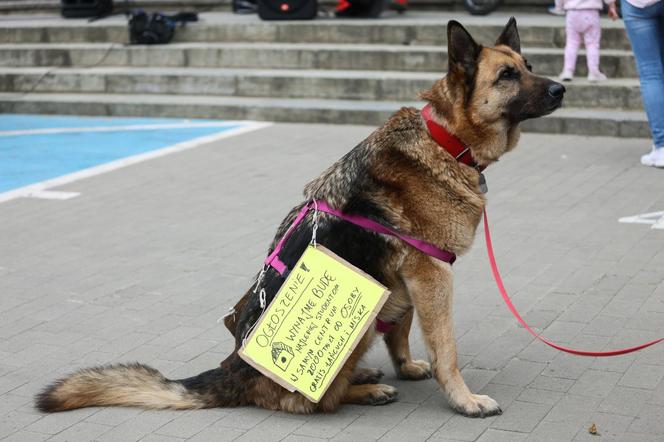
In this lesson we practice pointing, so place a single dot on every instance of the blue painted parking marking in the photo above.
(16, 122)
(38, 149)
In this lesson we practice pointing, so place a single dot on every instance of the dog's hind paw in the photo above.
(383, 394)
(414, 370)
(478, 405)
(370, 394)
(367, 376)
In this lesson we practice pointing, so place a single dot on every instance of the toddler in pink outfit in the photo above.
(582, 21)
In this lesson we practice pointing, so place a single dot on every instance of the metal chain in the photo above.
(314, 229)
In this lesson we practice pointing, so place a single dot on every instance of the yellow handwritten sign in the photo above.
(314, 322)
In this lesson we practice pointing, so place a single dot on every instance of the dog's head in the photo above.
(497, 83)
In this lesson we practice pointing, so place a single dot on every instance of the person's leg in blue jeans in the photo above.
(645, 28)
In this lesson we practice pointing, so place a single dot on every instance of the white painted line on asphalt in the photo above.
(129, 127)
(52, 195)
(655, 219)
(124, 162)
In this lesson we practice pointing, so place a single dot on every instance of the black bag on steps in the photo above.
(155, 28)
(86, 8)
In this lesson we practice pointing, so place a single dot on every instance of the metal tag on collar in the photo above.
(482, 182)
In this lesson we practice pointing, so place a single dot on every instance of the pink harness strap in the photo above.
(273, 259)
(361, 221)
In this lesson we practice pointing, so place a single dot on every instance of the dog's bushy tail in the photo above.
(134, 385)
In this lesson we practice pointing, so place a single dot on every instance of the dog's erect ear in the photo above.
(510, 36)
(462, 50)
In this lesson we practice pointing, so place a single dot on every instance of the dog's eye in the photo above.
(509, 74)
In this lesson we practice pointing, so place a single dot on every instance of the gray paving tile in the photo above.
(271, 429)
(138, 427)
(521, 417)
(375, 425)
(552, 383)
(14, 421)
(327, 425)
(113, 415)
(492, 435)
(642, 376)
(160, 438)
(422, 422)
(243, 418)
(649, 420)
(519, 373)
(595, 383)
(460, 428)
(625, 401)
(55, 423)
(537, 396)
(26, 436)
(220, 434)
(190, 423)
(552, 432)
(81, 431)
(573, 409)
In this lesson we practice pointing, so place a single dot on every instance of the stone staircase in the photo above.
(328, 70)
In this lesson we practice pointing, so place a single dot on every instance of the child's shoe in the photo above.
(654, 158)
(555, 11)
(595, 77)
(566, 75)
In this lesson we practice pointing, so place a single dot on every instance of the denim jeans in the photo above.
(645, 28)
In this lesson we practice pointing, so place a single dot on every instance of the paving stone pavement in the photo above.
(144, 262)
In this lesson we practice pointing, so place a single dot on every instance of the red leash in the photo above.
(508, 301)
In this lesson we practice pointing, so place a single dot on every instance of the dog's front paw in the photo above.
(477, 405)
(414, 370)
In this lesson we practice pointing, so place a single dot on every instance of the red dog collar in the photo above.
(448, 141)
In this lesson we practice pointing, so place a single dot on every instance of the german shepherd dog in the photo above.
(400, 177)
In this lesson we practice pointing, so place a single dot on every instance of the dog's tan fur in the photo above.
(419, 188)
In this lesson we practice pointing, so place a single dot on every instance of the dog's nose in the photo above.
(556, 90)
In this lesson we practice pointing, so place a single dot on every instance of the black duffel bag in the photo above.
(287, 9)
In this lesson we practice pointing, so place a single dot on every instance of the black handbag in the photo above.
(287, 9)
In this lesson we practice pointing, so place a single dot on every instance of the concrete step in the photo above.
(413, 28)
(281, 83)
(54, 6)
(616, 63)
(604, 122)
